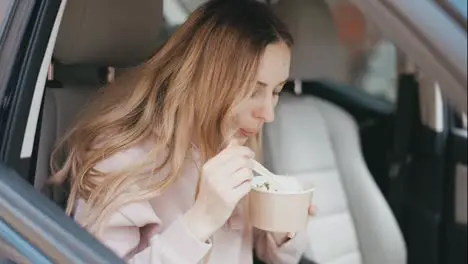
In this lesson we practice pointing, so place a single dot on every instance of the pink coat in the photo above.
(153, 232)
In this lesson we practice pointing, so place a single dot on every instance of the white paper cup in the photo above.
(283, 206)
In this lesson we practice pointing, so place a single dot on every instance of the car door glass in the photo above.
(460, 6)
(464, 121)
(372, 59)
(456, 9)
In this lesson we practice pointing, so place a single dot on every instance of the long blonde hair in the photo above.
(184, 94)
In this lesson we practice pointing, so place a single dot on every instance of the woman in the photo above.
(159, 163)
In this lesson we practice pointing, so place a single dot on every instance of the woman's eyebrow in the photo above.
(282, 83)
(263, 84)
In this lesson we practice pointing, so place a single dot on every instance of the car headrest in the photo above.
(109, 32)
(317, 52)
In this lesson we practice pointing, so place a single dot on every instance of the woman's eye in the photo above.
(256, 93)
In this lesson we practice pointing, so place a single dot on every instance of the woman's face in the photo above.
(272, 74)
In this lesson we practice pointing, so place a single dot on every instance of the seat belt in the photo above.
(406, 119)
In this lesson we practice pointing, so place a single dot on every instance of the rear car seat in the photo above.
(93, 35)
(318, 141)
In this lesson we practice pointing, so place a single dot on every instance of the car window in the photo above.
(372, 64)
(5, 7)
(373, 59)
(461, 120)
(459, 6)
(457, 9)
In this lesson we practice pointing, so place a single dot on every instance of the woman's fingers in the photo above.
(228, 154)
(240, 191)
(312, 210)
(239, 177)
(227, 171)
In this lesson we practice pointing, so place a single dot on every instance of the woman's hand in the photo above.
(225, 181)
(280, 238)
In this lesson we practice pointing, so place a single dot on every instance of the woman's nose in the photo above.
(267, 111)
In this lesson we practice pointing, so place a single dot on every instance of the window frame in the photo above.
(430, 38)
(31, 223)
(18, 87)
(46, 230)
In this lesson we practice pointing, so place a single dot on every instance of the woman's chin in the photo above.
(242, 140)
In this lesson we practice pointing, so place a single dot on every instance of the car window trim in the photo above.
(33, 117)
(21, 246)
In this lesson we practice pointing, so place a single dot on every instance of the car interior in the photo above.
(329, 129)
(311, 137)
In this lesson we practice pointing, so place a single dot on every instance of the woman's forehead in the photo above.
(274, 65)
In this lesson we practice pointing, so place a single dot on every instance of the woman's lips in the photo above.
(248, 133)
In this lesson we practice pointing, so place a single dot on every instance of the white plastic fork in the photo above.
(260, 169)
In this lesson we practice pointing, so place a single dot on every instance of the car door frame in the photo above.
(24, 61)
(436, 42)
(455, 228)
(40, 230)
(30, 224)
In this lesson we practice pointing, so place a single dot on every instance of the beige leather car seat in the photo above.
(93, 35)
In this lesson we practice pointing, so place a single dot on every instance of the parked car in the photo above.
(383, 134)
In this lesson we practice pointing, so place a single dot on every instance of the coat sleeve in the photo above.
(134, 234)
